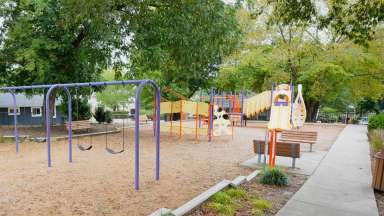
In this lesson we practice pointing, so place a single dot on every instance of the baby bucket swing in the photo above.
(82, 147)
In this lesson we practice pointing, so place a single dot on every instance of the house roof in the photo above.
(23, 100)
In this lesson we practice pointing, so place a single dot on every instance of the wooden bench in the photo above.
(298, 136)
(79, 125)
(284, 149)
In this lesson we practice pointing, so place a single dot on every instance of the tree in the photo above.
(114, 97)
(180, 44)
(280, 47)
(60, 41)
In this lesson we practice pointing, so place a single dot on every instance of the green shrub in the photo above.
(101, 115)
(376, 139)
(108, 116)
(274, 176)
(376, 122)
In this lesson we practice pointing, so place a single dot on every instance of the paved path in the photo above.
(341, 185)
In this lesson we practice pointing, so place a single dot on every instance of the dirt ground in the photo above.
(278, 196)
(98, 183)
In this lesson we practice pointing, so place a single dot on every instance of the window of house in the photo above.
(10, 111)
(36, 111)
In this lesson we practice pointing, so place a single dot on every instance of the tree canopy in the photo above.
(178, 43)
(297, 41)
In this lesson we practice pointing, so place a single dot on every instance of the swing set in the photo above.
(78, 123)
(140, 84)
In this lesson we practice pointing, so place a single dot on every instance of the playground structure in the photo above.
(231, 103)
(280, 117)
(210, 119)
(257, 103)
(140, 84)
(183, 107)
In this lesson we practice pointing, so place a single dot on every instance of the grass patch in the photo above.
(222, 208)
(261, 204)
(236, 193)
(226, 202)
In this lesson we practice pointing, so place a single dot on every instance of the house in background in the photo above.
(29, 110)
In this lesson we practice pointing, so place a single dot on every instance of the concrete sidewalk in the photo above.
(341, 185)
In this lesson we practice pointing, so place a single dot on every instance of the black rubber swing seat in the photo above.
(84, 148)
(113, 151)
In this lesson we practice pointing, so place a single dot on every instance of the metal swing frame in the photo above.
(140, 84)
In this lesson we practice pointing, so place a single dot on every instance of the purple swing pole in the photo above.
(48, 124)
(242, 109)
(137, 131)
(15, 133)
(211, 101)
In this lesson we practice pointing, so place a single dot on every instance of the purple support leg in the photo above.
(15, 133)
(211, 101)
(137, 131)
(48, 123)
(242, 110)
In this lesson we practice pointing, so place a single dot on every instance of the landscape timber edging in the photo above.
(201, 198)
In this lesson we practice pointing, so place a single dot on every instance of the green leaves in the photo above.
(185, 41)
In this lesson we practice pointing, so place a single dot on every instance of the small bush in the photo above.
(376, 138)
(261, 204)
(108, 116)
(101, 115)
(376, 122)
(274, 176)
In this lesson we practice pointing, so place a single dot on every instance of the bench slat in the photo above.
(285, 149)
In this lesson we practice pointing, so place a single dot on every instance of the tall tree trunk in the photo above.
(312, 108)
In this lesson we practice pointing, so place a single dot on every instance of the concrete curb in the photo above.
(201, 198)
(238, 181)
(252, 175)
(197, 201)
(161, 212)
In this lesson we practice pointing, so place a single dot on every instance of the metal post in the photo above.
(15, 133)
(211, 107)
(137, 131)
(48, 124)
(242, 109)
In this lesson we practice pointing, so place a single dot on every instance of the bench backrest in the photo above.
(299, 136)
(285, 149)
